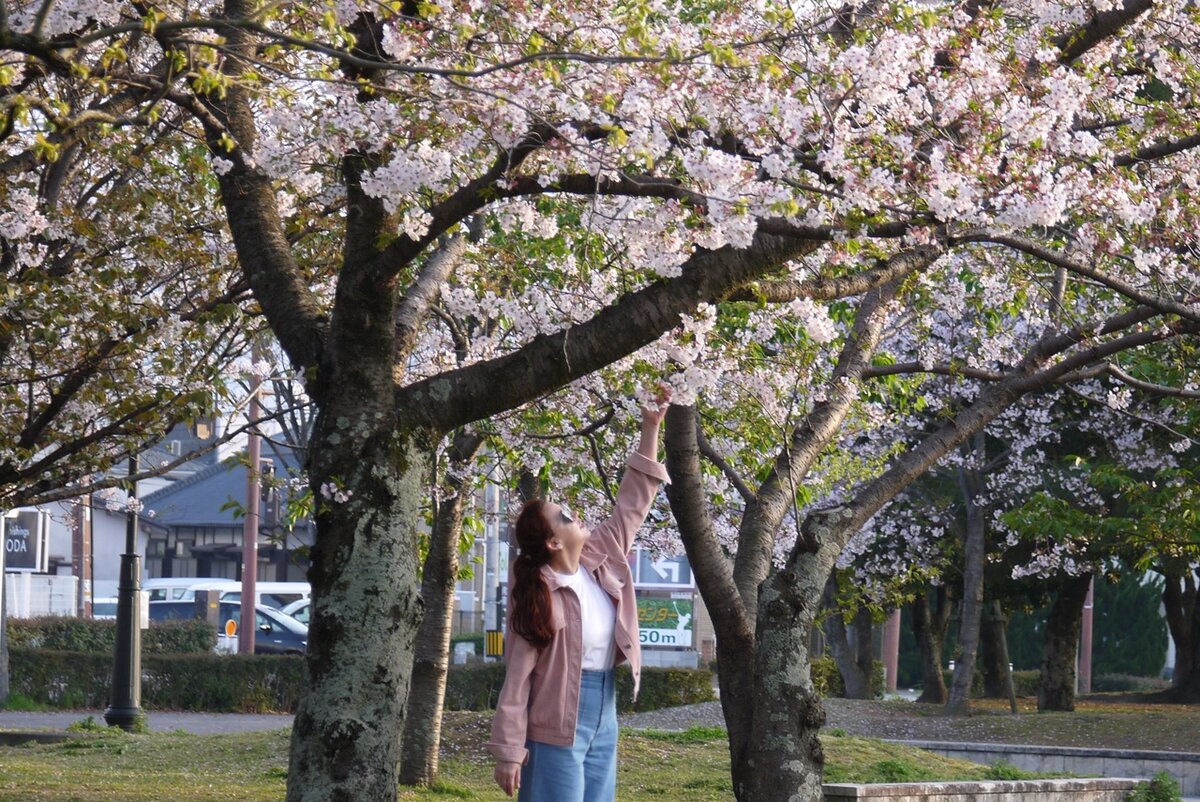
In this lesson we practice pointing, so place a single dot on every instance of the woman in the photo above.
(572, 618)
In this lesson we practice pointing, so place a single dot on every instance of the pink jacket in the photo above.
(540, 698)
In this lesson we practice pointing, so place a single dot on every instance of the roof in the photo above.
(198, 499)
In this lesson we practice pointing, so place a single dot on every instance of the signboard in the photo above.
(26, 536)
(665, 622)
(670, 573)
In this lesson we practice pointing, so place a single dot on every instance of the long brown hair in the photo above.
(531, 603)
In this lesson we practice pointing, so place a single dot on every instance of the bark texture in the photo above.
(1061, 644)
(993, 653)
(971, 607)
(854, 660)
(786, 762)
(930, 621)
(431, 657)
(1183, 620)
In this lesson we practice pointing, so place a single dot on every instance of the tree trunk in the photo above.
(856, 674)
(993, 653)
(431, 659)
(972, 598)
(1183, 620)
(1061, 645)
(785, 762)
(929, 628)
(366, 607)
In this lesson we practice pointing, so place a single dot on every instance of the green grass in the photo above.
(112, 766)
(23, 704)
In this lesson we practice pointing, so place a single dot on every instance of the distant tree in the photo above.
(1130, 635)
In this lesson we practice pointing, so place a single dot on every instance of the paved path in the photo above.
(195, 723)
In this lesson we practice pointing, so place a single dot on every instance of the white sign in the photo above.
(656, 571)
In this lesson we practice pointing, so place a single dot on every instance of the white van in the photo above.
(183, 588)
(271, 594)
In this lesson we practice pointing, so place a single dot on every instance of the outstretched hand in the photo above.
(653, 414)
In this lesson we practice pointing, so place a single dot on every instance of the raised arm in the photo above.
(643, 474)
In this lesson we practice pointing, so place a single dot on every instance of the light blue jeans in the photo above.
(587, 771)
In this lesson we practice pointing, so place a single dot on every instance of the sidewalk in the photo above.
(194, 723)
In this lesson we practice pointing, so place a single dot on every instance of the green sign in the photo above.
(665, 622)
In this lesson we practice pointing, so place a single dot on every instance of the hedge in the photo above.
(1025, 683)
(214, 683)
(476, 686)
(64, 634)
(261, 683)
(827, 679)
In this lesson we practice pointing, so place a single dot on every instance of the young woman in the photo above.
(572, 618)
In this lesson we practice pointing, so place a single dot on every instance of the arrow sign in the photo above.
(667, 571)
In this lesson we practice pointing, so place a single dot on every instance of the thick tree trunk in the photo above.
(785, 762)
(856, 673)
(1061, 645)
(431, 659)
(1183, 620)
(366, 609)
(993, 653)
(929, 628)
(971, 607)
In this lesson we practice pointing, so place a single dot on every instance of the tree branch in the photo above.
(710, 454)
(551, 361)
(1058, 260)
(1076, 43)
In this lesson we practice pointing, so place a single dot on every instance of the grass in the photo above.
(113, 766)
(23, 704)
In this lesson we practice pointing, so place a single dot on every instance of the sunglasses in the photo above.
(565, 514)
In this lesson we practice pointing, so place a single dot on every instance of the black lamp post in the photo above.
(125, 710)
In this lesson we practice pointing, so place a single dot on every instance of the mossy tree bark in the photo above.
(1060, 645)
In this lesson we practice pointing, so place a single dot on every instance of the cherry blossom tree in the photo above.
(671, 159)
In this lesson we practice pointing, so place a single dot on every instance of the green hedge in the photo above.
(213, 683)
(476, 686)
(827, 680)
(1025, 683)
(63, 634)
(260, 683)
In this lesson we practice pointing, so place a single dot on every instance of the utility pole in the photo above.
(125, 710)
(247, 627)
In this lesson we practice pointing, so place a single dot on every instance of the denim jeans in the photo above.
(587, 771)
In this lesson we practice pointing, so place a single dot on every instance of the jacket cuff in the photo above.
(506, 753)
(653, 468)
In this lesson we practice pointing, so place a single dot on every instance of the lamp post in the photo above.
(247, 627)
(125, 710)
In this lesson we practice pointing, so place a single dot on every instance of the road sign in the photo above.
(657, 571)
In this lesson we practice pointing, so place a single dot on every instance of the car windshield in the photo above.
(104, 608)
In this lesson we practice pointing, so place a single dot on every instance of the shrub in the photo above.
(827, 679)
(476, 686)
(1125, 683)
(664, 687)
(1162, 788)
(1026, 683)
(209, 682)
(64, 634)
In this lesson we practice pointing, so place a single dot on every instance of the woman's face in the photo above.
(562, 521)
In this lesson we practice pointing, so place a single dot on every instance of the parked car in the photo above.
(277, 633)
(104, 607)
(299, 610)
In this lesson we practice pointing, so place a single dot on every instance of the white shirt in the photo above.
(599, 619)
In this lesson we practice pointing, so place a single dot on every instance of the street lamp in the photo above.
(125, 710)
